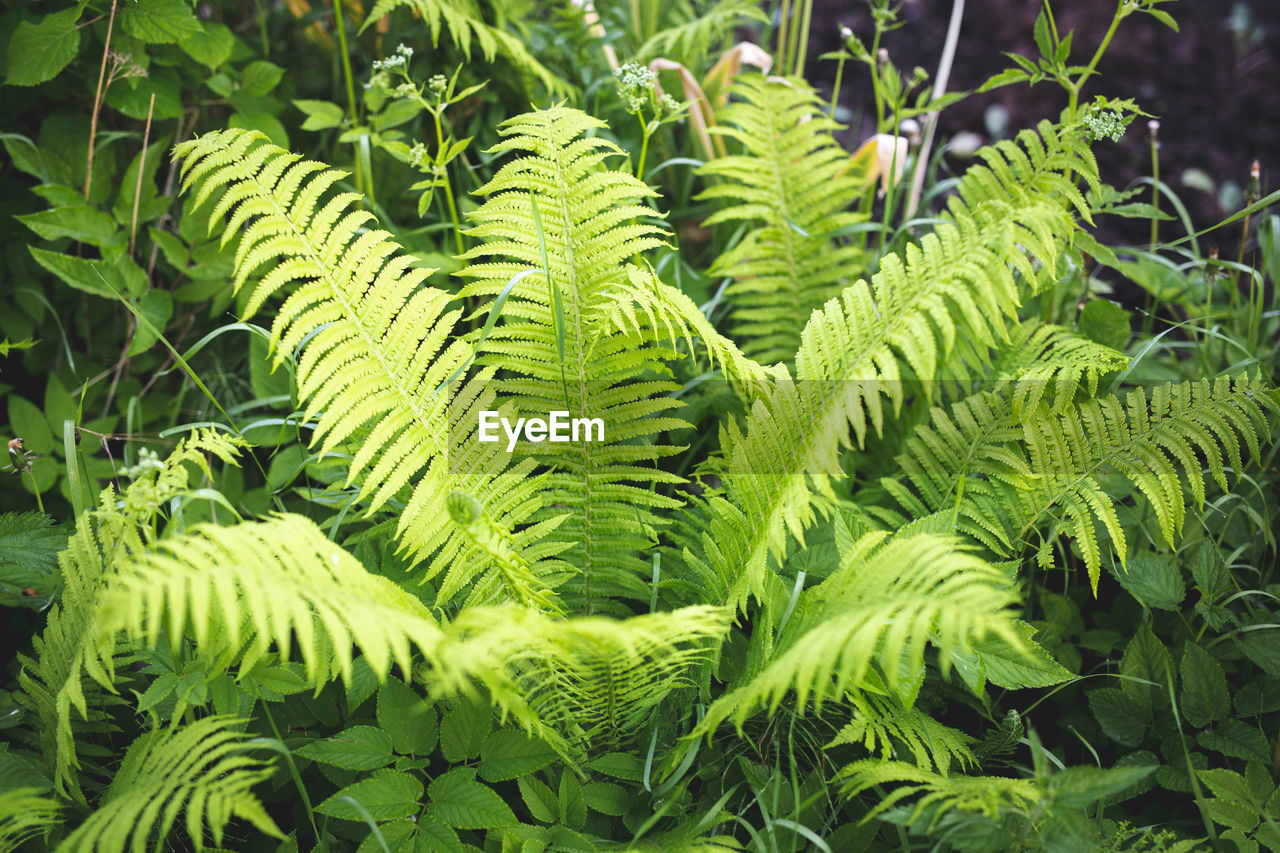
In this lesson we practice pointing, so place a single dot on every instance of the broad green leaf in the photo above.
(463, 731)
(81, 223)
(1227, 785)
(1105, 323)
(1122, 719)
(386, 795)
(158, 21)
(37, 52)
(355, 748)
(1237, 739)
(1258, 697)
(321, 115)
(1008, 668)
(1204, 695)
(434, 836)
(210, 48)
(508, 753)
(539, 799)
(1153, 579)
(606, 798)
(1208, 569)
(619, 765)
(461, 802)
(573, 808)
(95, 277)
(1147, 659)
(27, 422)
(410, 721)
(260, 77)
(133, 96)
(1263, 648)
(1077, 787)
(157, 307)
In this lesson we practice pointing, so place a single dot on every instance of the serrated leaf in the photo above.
(1236, 739)
(386, 795)
(95, 277)
(1153, 579)
(436, 837)
(1122, 719)
(1263, 648)
(355, 748)
(1105, 322)
(410, 721)
(1258, 697)
(508, 753)
(158, 21)
(1204, 695)
(1147, 659)
(1077, 787)
(573, 808)
(320, 114)
(39, 51)
(463, 731)
(157, 307)
(463, 803)
(1008, 668)
(211, 47)
(80, 222)
(260, 77)
(539, 799)
(606, 798)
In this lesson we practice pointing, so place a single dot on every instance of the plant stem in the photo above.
(1097, 56)
(341, 26)
(142, 165)
(644, 147)
(448, 188)
(835, 88)
(36, 487)
(803, 33)
(931, 120)
(97, 100)
(1155, 187)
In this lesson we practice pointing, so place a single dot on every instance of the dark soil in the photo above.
(1215, 86)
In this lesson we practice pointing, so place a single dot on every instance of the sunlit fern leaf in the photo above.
(938, 793)
(52, 679)
(959, 281)
(24, 814)
(379, 346)
(792, 185)
(882, 725)
(872, 620)
(200, 768)
(465, 24)
(690, 39)
(1041, 358)
(1162, 443)
(559, 206)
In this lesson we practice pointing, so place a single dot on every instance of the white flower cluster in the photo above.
(1105, 124)
(399, 59)
(635, 83)
(417, 155)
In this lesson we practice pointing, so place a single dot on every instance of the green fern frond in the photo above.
(52, 680)
(793, 185)
(691, 40)
(1042, 357)
(882, 724)
(871, 620)
(465, 25)
(558, 210)
(379, 349)
(199, 768)
(985, 795)
(1178, 430)
(857, 349)
(24, 814)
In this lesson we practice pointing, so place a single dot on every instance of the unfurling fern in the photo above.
(200, 767)
(561, 212)
(792, 184)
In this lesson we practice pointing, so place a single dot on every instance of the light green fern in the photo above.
(883, 725)
(24, 814)
(792, 185)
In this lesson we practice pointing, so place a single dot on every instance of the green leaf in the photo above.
(539, 799)
(1077, 787)
(29, 539)
(410, 721)
(355, 748)
(606, 798)
(1263, 648)
(1007, 77)
(508, 753)
(619, 765)
(1153, 579)
(1147, 659)
(1163, 17)
(171, 247)
(1106, 323)
(397, 113)
(1043, 37)
(321, 115)
(158, 21)
(18, 772)
(95, 277)
(1227, 785)
(211, 47)
(157, 307)
(463, 803)
(260, 77)
(434, 836)
(1258, 697)
(27, 422)
(463, 731)
(386, 795)
(1008, 668)
(573, 808)
(1205, 696)
(1237, 739)
(133, 96)
(37, 52)
(81, 223)
(1122, 719)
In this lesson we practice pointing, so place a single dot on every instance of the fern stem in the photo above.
(807, 20)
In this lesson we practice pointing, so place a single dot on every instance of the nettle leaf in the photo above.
(463, 731)
(211, 47)
(1155, 580)
(1012, 669)
(1146, 659)
(508, 753)
(1077, 787)
(461, 802)
(356, 748)
(386, 795)
(1205, 695)
(1237, 739)
(39, 51)
(407, 718)
(158, 21)
(1122, 719)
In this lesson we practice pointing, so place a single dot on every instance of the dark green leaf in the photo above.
(1236, 739)
(508, 753)
(81, 223)
(463, 731)
(410, 721)
(1105, 322)
(1204, 694)
(260, 77)
(1153, 579)
(461, 802)
(1122, 719)
(1077, 787)
(356, 748)
(158, 21)
(37, 52)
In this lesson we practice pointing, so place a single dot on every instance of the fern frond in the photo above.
(882, 724)
(52, 680)
(876, 614)
(985, 795)
(791, 183)
(1042, 357)
(379, 343)
(465, 25)
(199, 768)
(1162, 444)
(691, 40)
(24, 814)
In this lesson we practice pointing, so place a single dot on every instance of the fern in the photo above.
(560, 211)
(985, 795)
(24, 814)
(199, 767)
(870, 621)
(694, 37)
(792, 184)
(463, 20)
(881, 724)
